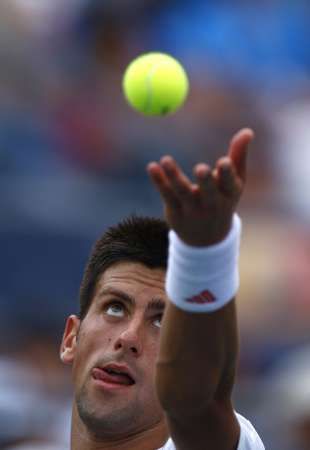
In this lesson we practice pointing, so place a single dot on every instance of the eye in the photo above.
(157, 321)
(115, 309)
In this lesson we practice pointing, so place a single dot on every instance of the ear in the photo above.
(68, 344)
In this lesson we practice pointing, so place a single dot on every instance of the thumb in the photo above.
(238, 150)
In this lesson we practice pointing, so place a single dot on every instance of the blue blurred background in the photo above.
(72, 162)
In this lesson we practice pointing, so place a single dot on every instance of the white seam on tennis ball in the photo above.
(148, 80)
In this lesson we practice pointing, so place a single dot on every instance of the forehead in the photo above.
(134, 279)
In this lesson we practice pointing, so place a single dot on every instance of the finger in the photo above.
(179, 182)
(162, 184)
(238, 150)
(205, 180)
(227, 179)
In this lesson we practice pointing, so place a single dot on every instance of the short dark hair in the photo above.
(135, 239)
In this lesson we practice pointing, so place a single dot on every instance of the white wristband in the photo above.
(204, 279)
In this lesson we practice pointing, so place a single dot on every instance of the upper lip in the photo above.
(122, 368)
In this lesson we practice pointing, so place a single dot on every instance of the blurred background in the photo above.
(72, 162)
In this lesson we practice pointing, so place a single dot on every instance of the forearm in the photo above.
(199, 334)
(197, 358)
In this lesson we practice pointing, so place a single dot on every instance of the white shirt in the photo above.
(249, 439)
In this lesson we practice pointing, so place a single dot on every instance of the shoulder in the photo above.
(249, 438)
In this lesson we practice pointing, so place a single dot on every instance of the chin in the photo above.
(104, 420)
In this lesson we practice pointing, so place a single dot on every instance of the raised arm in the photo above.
(198, 350)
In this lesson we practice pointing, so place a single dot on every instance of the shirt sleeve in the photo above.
(249, 439)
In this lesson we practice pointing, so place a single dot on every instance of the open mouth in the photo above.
(113, 376)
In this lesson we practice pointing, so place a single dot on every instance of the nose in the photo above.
(130, 340)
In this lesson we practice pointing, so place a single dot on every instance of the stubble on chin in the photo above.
(106, 419)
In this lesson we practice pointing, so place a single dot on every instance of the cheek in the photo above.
(152, 355)
(91, 346)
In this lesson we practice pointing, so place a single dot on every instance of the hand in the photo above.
(201, 213)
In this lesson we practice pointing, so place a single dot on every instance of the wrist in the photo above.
(201, 279)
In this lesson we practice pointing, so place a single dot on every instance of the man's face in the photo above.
(120, 333)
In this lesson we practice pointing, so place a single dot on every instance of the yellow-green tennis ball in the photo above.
(155, 84)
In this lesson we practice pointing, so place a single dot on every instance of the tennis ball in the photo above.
(155, 84)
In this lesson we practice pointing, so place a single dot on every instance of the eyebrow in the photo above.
(156, 304)
(113, 291)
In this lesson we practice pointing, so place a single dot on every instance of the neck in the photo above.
(150, 439)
